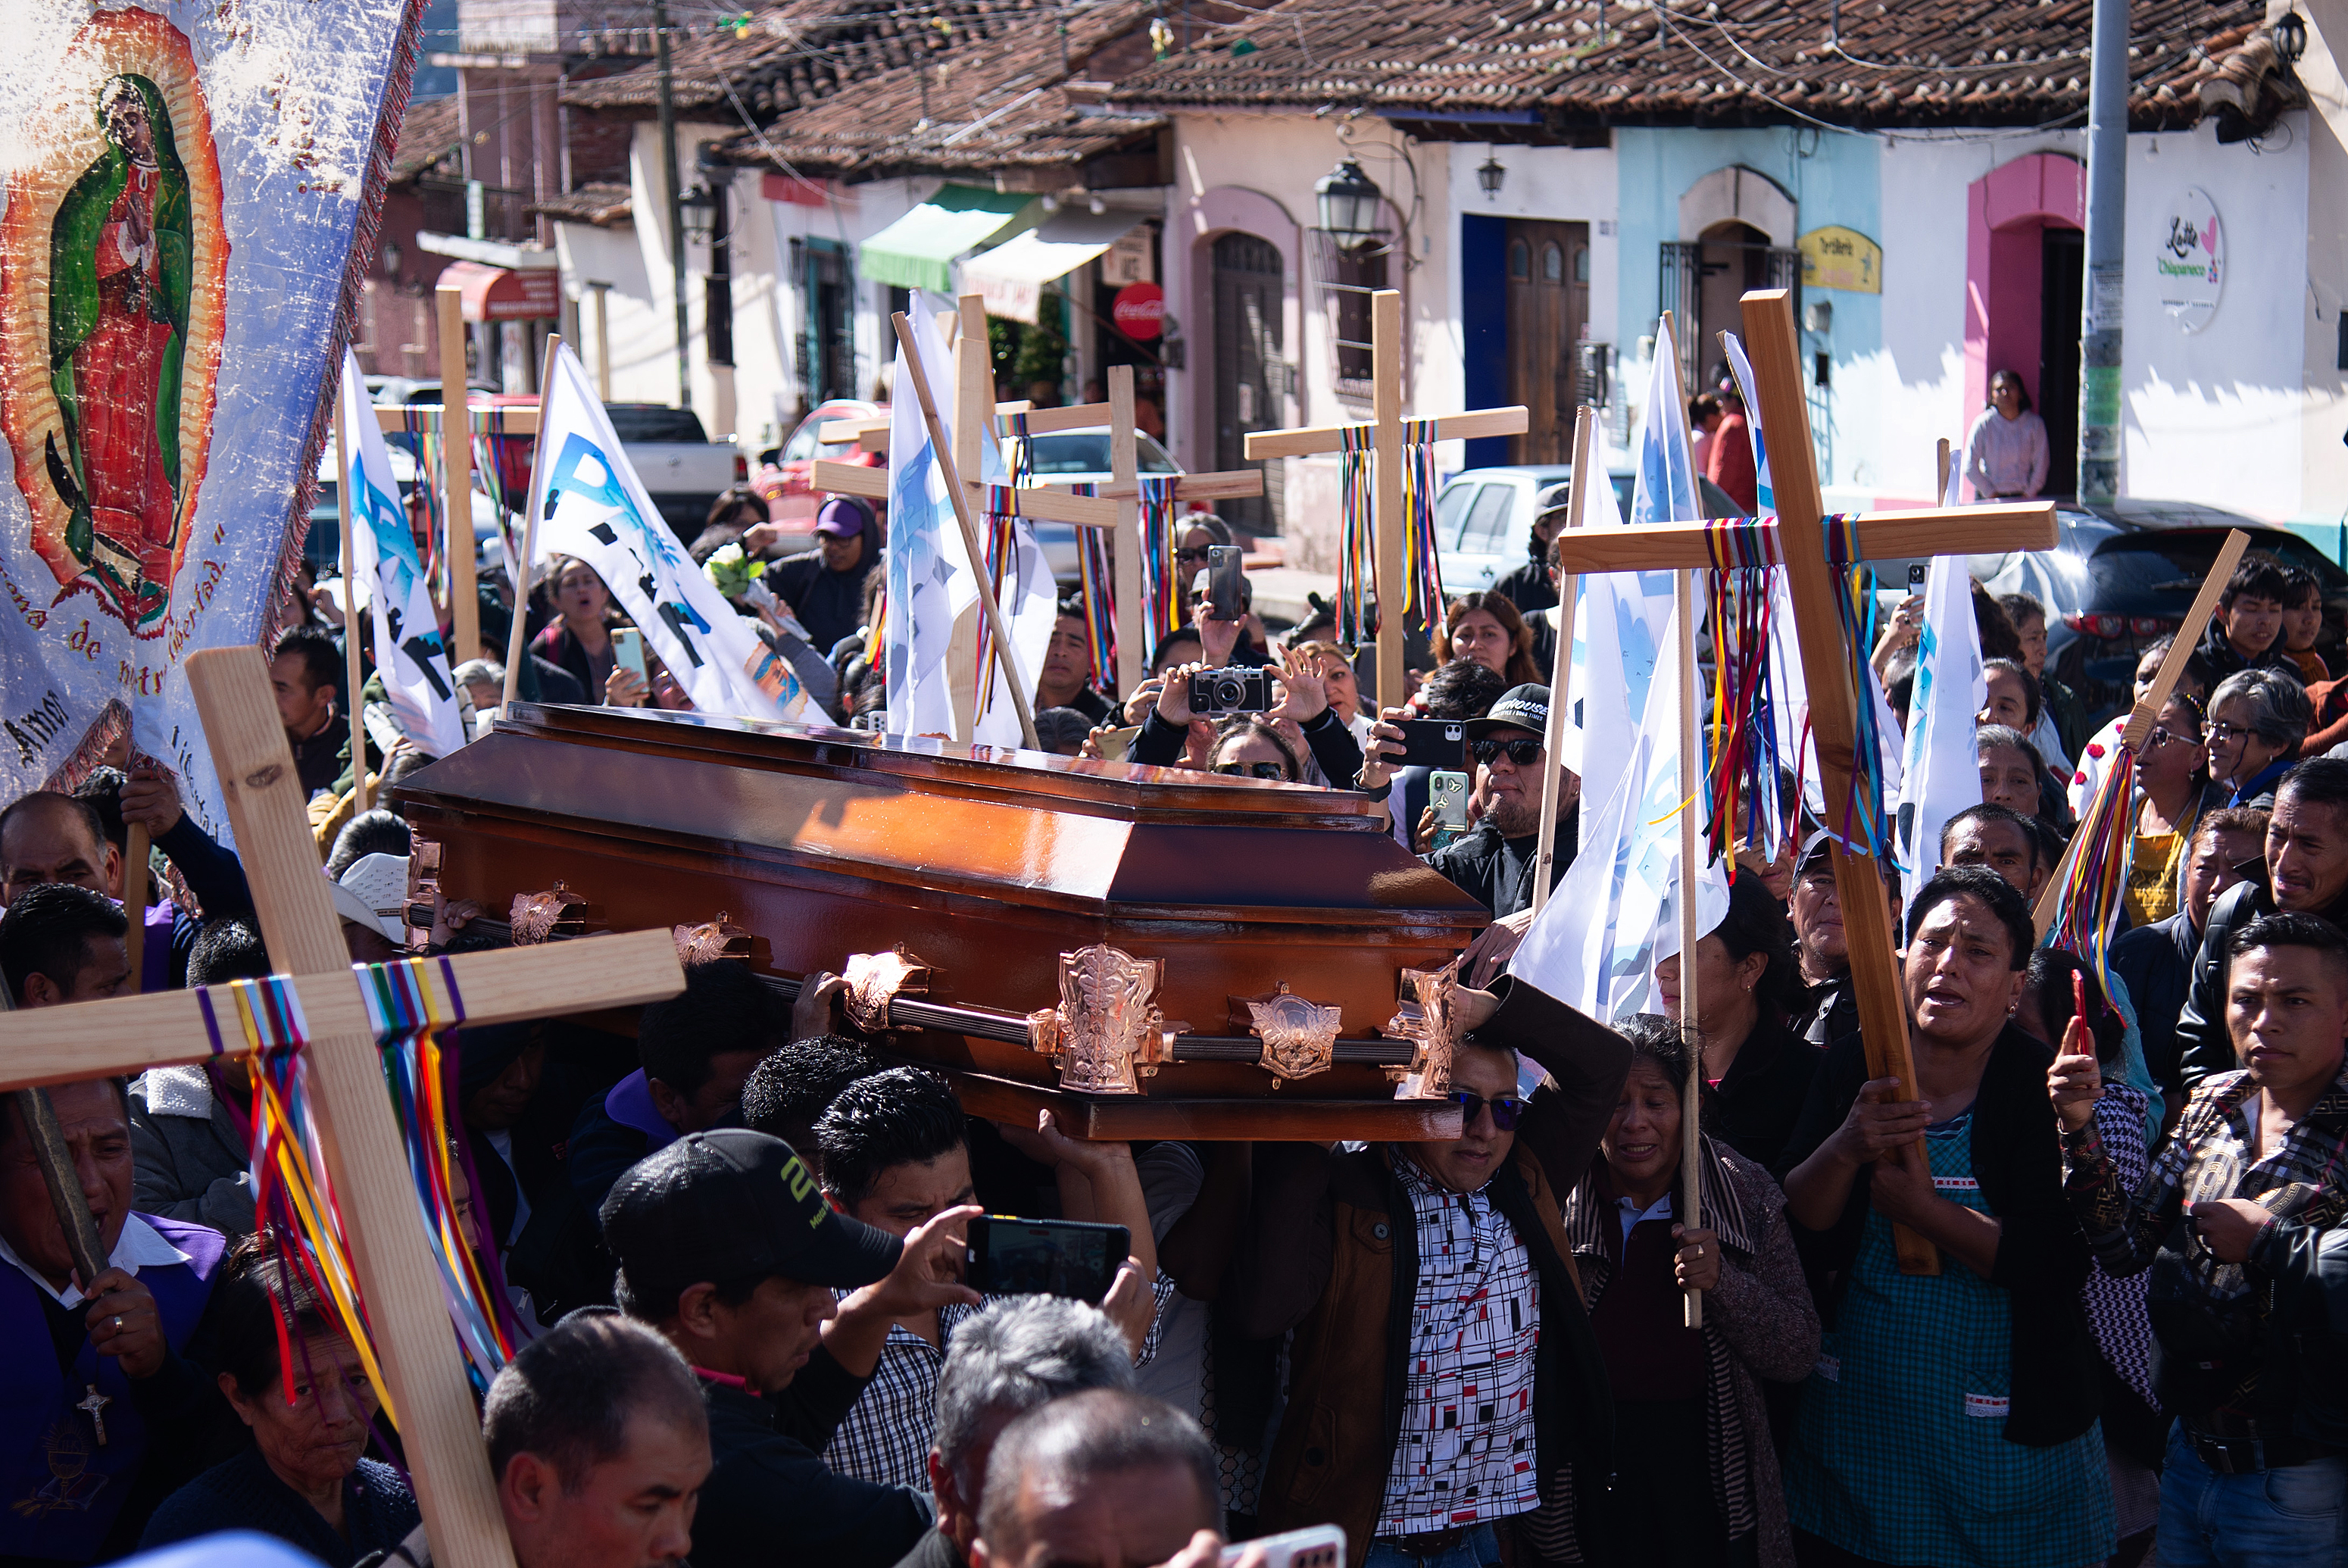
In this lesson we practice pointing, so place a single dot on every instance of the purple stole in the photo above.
(155, 958)
(62, 1487)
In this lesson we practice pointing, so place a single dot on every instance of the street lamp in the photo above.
(1489, 174)
(1348, 202)
(698, 208)
(2289, 36)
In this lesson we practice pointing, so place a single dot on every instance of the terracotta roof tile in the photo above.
(427, 136)
(606, 206)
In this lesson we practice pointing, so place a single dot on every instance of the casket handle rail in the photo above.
(1106, 1035)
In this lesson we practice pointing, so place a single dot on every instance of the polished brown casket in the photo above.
(1153, 952)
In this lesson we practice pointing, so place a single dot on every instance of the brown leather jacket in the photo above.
(1329, 1251)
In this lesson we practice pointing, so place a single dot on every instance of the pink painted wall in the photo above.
(2006, 210)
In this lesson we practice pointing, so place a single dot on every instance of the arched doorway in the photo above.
(1737, 232)
(1248, 338)
(1733, 259)
(2025, 263)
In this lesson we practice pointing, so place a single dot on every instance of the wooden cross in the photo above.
(439, 1427)
(1386, 374)
(1826, 661)
(455, 490)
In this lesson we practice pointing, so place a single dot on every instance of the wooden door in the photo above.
(1547, 271)
(1247, 369)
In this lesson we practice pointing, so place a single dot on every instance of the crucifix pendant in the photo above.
(95, 1403)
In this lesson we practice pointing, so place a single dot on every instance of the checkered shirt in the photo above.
(1467, 1449)
(2214, 1154)
(885, 1437)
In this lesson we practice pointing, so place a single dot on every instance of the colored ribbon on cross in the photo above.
(1745, 767)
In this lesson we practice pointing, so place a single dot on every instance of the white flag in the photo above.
(1616, 913)
(592, 505)
(1623, 615)
(409, 652)
(1940, 773)
(930, 581)
(1764, 493)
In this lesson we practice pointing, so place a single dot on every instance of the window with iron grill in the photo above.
(1347, 275)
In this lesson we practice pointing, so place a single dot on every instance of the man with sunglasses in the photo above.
(1494, 863)
(1445, 1382)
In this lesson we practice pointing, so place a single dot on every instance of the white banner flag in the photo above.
(1940, 774)
(1622, 614)
(930, 581)
(1616, 913)
(409, 652)
(592, 505)
(1764, 493)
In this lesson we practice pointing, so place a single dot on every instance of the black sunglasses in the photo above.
(1523, 753)
(1505, 1109)
(1271, 770)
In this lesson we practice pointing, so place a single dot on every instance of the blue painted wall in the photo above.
(1484, 325)
(1832, 176)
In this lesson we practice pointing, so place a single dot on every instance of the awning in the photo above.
(917, 251)
(503, 293)
(1012, 275)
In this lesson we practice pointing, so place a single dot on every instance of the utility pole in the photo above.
(676, 211)
(2099, 327)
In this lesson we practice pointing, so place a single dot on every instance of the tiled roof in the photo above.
(839, 86)
(1577, 63)
(606, 206)
(427, 136)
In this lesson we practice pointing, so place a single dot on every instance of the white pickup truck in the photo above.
(682, 469)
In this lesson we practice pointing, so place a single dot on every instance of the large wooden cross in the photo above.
(1385, 375)
(1827, 662)
(439, 1427)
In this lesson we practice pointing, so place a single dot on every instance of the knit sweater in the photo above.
(245, 1495)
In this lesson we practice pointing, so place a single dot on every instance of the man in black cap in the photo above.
(825, 586)
(1495, 862)
(1531, 586)
(726, 1246)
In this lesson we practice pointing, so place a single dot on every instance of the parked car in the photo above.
(2120, 576)
(786, 476)
(324, 544)
(1483, 516)
(1081, 457)
(682, 469)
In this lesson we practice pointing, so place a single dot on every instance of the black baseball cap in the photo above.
(733, 1204)
(1521, 708)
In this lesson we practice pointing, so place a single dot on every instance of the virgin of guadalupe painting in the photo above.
(110, 276)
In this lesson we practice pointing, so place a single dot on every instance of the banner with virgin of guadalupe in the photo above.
(188, 194)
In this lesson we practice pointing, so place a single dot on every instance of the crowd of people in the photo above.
(733, 1242)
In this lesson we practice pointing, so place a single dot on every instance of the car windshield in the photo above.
(1087, 452)
(633, 422)
(2131, 569)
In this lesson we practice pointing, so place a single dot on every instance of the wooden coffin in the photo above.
(1185, 902)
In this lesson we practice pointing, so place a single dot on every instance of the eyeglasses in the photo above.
(2159, 737)
(2226, 731)
(1523, 753)
(1271, 770)
(1505, 1109)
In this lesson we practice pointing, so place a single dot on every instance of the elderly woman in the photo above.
(302, 1480)
(1747, 983)
(2257, 719)
(1951, 1416)
(1487, 628)
(1687, 1402)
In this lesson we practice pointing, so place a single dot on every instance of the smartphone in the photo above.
(1073, 1258)
(1916, 570)
(1447, 793)
(1315, 1546)
(1225, 585)
(1434, 742)
(1117, 745)
(628, 649)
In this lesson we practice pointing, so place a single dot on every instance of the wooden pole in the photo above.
(1129, 541)
(1690, 874)
(1818, 624)
(1561, 677)
(134, 900)
(603, 345)
(351, 682)
(993, 611)
(439, 1427)
(456, 463)
(1940, 468)
(964, 332)
(1385, 361)
(2146, 713)
(517, 634)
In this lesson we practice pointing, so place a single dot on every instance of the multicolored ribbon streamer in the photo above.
(1422, 586)
(1424, 595)
(1742, 745)
(1098, 584)
(1865, 827)
(1000, 538)
(2088, 900)
(406, 1021)
(1161, 595)
(294, 1196)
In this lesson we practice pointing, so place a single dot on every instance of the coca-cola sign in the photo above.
(1139, 310)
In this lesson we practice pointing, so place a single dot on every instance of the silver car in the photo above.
(1081, 457)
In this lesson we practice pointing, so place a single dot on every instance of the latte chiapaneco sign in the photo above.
(1835, 257)
(2191, 265)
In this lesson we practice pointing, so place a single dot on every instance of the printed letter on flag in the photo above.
(592, 505)
(408, 649)
(184, 185)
